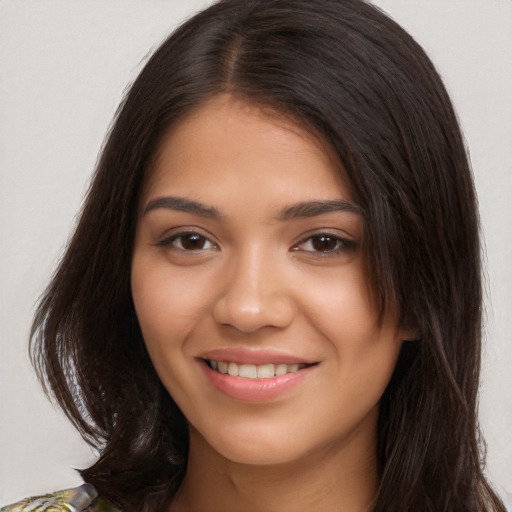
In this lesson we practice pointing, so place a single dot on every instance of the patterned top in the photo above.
(80, 499)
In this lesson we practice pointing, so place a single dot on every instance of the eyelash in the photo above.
(170, 241)
(342, 245)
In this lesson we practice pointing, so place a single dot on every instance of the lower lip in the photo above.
(255, 390)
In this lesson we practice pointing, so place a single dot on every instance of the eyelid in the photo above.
(166, 239)
(348, 243)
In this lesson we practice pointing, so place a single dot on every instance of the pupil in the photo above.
(324, 243)
(192, 242)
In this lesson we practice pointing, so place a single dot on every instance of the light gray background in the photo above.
(63, 68)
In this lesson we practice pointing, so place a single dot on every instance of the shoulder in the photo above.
(79, 499)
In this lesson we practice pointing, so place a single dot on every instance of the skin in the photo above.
(259, 279)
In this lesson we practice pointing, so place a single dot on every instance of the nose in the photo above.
(255, 295)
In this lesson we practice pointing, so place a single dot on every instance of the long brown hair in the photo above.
(350, 74)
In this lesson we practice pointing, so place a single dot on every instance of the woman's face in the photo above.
(247, 260)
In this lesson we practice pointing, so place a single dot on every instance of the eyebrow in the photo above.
(294, 211)
(314, 208)
(183, 205)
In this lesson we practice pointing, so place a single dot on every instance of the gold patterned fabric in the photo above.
(80, 499)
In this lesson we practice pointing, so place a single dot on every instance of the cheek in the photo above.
(167, 308)
(338, 303)
(167, 303)
(362, 349)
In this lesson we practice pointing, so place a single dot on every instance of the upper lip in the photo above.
(253, 356)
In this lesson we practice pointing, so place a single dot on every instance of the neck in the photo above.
(337, 477)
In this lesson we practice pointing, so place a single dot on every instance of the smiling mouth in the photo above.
(252, 371)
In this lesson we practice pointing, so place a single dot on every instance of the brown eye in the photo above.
(188, 242)
(324, 243)
(192, 242)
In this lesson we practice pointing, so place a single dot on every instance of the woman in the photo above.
(272, 298)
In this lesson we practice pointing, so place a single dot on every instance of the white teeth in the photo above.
(233, 369)
(265, 371)
(221, 366)
(248, 371)
(251, 371)
(280, 369)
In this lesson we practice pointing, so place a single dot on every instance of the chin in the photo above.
(257, 447)
(257, 456)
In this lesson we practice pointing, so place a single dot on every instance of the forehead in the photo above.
(226, 135)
